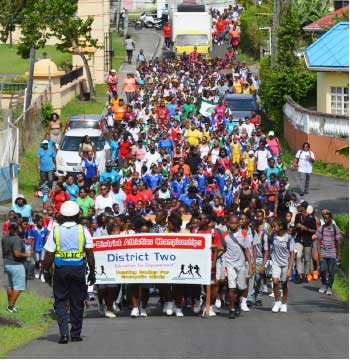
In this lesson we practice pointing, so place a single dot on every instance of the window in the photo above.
(340, 100)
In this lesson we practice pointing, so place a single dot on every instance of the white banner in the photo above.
(153, 258)
(207, 108)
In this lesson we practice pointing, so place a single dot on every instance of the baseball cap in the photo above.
(250, 152)
(108, 163)
(271, 133)
(45, 142)
(113, 70)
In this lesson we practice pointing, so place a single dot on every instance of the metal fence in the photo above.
(11, 87)
(71, 76)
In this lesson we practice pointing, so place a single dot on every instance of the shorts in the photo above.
(220, 269)
(39, 255)
(279, 272)
(16, 277)
(236, 277)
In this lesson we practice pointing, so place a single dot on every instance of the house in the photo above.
(329, 56)
(321, 25)
(326, 129)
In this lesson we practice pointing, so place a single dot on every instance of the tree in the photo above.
(311, 10)
(11, 15)
(44, 19)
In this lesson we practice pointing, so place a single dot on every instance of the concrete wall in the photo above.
(325, 80)
(326, 133)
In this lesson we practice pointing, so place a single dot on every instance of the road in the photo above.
(315, 325)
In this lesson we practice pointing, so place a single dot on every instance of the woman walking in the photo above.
(304, 158)
(14, 257)
(130, 47)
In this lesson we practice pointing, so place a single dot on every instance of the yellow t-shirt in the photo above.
(236, 149)
(193, 137)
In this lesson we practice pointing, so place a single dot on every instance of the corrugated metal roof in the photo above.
(326, 21)
(331, 50)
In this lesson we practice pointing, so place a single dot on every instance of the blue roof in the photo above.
(331, 50)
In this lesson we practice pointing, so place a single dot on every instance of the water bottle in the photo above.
(28, 250)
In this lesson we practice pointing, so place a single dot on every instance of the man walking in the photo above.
(329, 247)
(66, 247)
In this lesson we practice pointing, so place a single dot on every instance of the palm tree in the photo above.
(311, 10)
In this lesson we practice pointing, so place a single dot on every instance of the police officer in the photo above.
(66, 247)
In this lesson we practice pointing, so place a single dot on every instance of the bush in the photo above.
(46, 111)
(342, 221)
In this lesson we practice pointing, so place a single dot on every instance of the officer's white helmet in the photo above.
(69, 208)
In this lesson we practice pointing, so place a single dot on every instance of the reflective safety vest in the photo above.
(69, 245)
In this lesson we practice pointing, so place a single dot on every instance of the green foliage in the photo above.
(251, 20)
(309, 11)
(344, 151)
(341, 286)
(47, 110)
(289, 32)
(11, 15)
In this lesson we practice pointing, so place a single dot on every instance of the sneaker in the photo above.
(315, 275)
(101, 309)
(276, 307)
(11, 309)
(244, 306)
(218, 303)
(92, 297)
(216, 310)
(249, 303)
(211, 311)
(170, 308)
(283, 308)
(272, 294)
(237, 311)
(309, 278)
(110, 314)
(143, 313)
(178, 312)
(135, 312)
(232, 314)
(197, 306)
(42, 278)
(37, 274)
(265, 290)
(323, 289)
(329, 292)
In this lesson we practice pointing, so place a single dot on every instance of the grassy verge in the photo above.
(319, 167)
(8, 55)
(31, 310)
(248, 58)
(28, 175)
(341, 281)
(119, 50)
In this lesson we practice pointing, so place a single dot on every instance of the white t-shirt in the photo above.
(50, 244)
(262, 157)
(152, 158)
(304, 163)
(102, 202)
(249, 127)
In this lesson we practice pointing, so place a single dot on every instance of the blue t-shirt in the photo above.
(46, 159)
(221, 182)
(39, 236)
(153, 180)
(113, 175)
(171, 108)
(25, 211)
(201, 182)
(72, 190)
(114, 147)
(167, 143)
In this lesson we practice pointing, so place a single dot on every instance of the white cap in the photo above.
(309, 210)
(250, 152)
(45, 142)
(271, 133)
(69, 208)
(113, 70)
(20, 196)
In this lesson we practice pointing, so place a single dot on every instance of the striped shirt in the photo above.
(328, 241)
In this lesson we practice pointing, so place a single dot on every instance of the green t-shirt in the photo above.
(186, 109)
(85, 204)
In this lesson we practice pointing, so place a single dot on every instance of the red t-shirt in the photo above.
(145, 195)
(124, 149)
(255, 120)
(163, 113)
(166, 30)
(59, 199)
(131, 198)
(220, 25)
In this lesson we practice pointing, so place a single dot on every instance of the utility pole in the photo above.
(29, 92)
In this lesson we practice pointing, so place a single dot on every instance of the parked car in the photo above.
(86, 121)
(241, 105)
(68, 160)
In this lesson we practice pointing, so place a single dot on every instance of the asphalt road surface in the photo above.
(316, 326)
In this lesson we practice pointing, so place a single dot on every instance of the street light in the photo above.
(270, 30)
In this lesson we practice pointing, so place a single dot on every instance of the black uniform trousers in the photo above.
(69, 288)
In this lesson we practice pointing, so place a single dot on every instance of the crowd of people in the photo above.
(171, 168)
